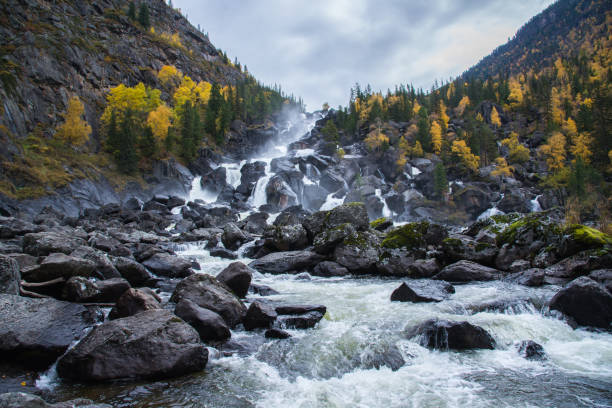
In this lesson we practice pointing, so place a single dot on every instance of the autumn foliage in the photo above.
(75, 130)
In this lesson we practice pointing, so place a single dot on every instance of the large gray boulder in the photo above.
(171, 266)
(83, 290)
(259, 315)
(467, 271)
(359, 252)
(237, 276)
(448, 335)
(132, 271)
(59, 265)
(286, 237)
(416, 292)
(284, 262)
(23, 400)
(45, 243)
(37, 331)
(134, 301)
(10, 276)
(209, 325)
(587, 302)
(207, 292)
(155, 343)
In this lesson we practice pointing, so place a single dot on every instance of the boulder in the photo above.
(531, 350)
(209, 325)
(284, 262)
(277, 334)
(418, 292)
(109, 290)
(528, 277)
(359, 252)
(10, 277)
(286, 238)
(154, 344)
(132, 271)
(330, 269)
(302, 321)
(237, 276)
(223, 253)
(207, 292)
(171, 266)
(103, 264)
(13, 227)
(132, 302)
(352, 213)
(45, 243)
(262, 290)
(398, 262)
(586, 301)
(448, 335)
(59, 265)
(233, 237)
(326, 241)
(259, 315)
(467, 271)
(570, 268)
(461, 247)
(331, 181)
(603, 276)
(297, 309)
(35, 332)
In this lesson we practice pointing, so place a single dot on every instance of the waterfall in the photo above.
(535, 204)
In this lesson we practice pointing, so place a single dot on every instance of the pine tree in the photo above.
(148, 145)
(127, 156)
(143, 16)
(112, 134)
(423, 135)
(440, 181)
(132, 11)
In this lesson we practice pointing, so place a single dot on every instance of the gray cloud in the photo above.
(318, 49)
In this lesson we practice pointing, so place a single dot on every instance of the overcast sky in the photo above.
(318, 49)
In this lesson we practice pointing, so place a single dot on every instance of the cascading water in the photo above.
(535, 204)
(359, 355)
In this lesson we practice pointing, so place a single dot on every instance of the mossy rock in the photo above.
(377, 222)
(543, 230)
(409, 236)
(587, 236)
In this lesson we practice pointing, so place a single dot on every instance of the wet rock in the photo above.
(83, 290)
(168, 265)
(514, 201)
(250, 173)
(154, 343)
(34, 332)
(572, 267)
(286, 238)
(399, 263)
(429, 292)
(233, 237)
(326, 241)
(223, 253)
(467, 271)
(256, 223)
(530, 277)
(331, 181)
(207, 292)
(13, 227)
(447, 335)
(135, 273)
(314, 197)
(45, 243)
(585, 301)
(473, 200)
(10, 276)
(352, 213)
(132, 302)
(59, 265)
(283, 262)
(603, 276)
(259, 315)
(531, 350)
(384, 355)
(302, 321)
(23, 400)
(359, 252)
(330, 269)
(519, 265)
(262, 290)
(461, 247)
(175, 202)
(277, 334)
(104, 268)
(209, 325)
(237, 276)
(288, 309)
(291, 216)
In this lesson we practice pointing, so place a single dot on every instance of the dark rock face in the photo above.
(531, 350)
(209, 325)
(603, 276)
(283, 262)
(154, 344)
(168, 265)
(9, 275)
(358, 252)
(431, 292)
(286, 238)
(237, 276)
(45, 243)
(585, 301)
(259, 315)
(466, 271)
(233, 237)
(303, 321)
(277, 334)
(37, 331)
(447, 335)
(207, 292)
(132, 271)
(330, 269)
(59, 265)
(134, 301)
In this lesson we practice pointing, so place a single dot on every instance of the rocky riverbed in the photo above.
(277, 282)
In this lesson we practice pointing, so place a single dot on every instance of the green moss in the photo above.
(587, 236)
(452, 242)
(377, 222)
(542, 230)
(505, 218)
(407, 236)
(481, 246)
(358, 240)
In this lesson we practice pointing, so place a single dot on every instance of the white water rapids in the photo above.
(341, 362)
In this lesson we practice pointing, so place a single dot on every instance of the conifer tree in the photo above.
(423, 135)
(132, 11)
(127, 156)
(143, 16)
(440, 181)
